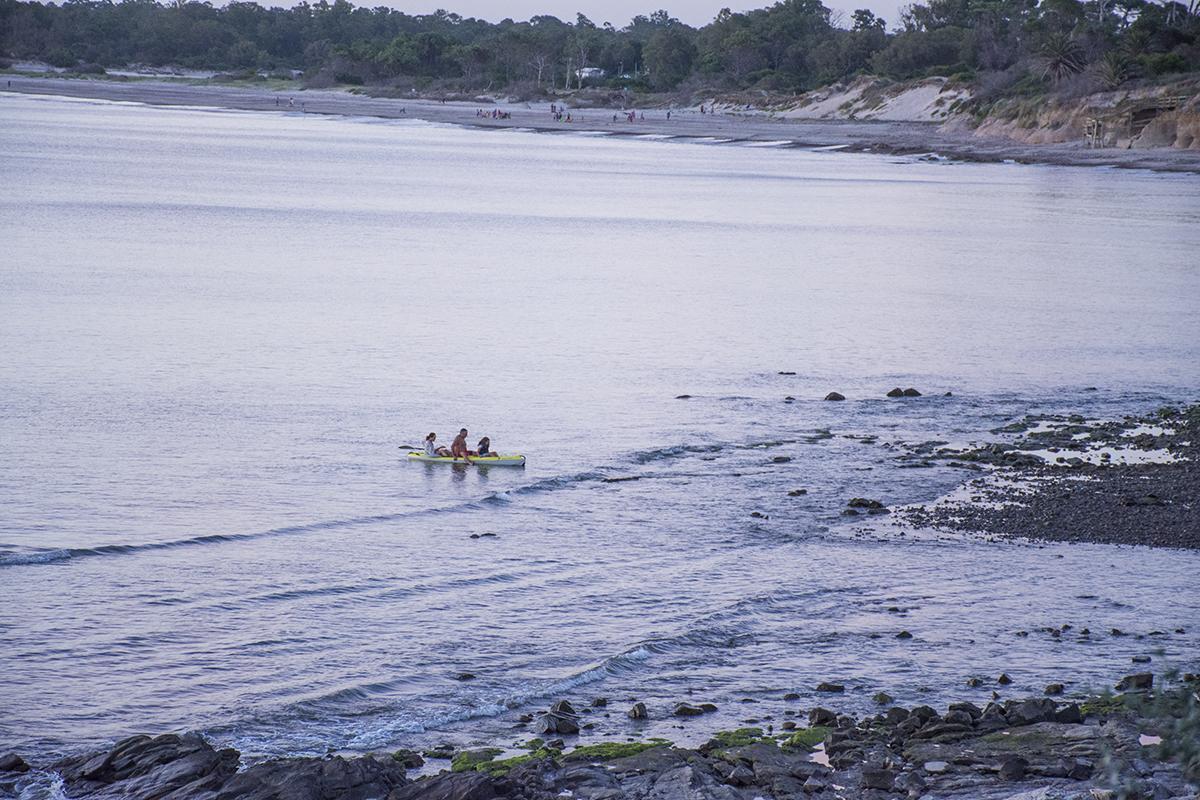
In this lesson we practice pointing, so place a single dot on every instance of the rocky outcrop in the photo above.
(177, 767)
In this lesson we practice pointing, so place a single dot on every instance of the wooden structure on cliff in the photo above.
(1128, 124)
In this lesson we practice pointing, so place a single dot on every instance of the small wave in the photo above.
(43, 557)
(677, 451)
(52, 556)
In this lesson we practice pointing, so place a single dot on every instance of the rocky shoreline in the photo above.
(875, 136)
(1134, 481)
(1141, 743)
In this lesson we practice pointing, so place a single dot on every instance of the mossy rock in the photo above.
(503, 766)
(607, 751)
(469, 760)
(1103, 706)
(723, 740)
(807, 738)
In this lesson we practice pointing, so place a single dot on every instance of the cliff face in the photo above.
(1144, 117)
(1147, 117)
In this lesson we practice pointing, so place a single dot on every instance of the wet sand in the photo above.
(852, 136)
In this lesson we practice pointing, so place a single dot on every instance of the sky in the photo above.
(618, 12)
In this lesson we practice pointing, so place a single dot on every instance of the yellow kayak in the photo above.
(486, 461)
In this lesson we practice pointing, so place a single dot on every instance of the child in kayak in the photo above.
(434, 450)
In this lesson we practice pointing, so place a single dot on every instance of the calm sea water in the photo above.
(216, 329)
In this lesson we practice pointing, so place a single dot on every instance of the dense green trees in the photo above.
(789, 46)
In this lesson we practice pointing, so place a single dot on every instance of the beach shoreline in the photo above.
(1137, 743)
(880, 137)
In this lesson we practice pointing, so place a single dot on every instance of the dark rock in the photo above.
(911, 783)
(822, 717)
(897, 392)
(781, 459)
(813, 784)
(830, 687)
(895, 715)
(797, 492)
(12, 762)
(758, 515)
(1004, 680)
(911, 392)
(464, 676)
(849, 512)
(188, 766)
(741, 775)
(791, 696)
(1029, 712)
(449, 786)
(923, 714)
(1070, 714)
(972, 710)
(600, 702)
(835, 396)
(863, 502)
(557, 723)
(708, 708)
(159, 766)
(1141, 659)
(315, 779)
(883, 698)
(1013, 768)
(637, 712)
(683, 397)
(959, 718)
(685, 710)
(1054, 688)
(1079, 769)
(974, 682)
(563, 707)
(409, 759)
(1142, 681)
(878, 778)
(904, 635)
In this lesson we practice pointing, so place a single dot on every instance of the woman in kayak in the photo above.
(435, 450)
(485, 448)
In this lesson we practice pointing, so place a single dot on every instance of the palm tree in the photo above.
(1060, 57)
(1112, 70)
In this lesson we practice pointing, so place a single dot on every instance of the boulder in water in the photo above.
(836, 396)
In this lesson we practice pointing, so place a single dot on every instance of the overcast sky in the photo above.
(618, 12)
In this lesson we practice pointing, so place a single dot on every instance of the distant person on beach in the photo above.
(668, 115)
(458, 448)
(432, 449)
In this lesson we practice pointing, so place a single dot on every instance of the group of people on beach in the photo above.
(458, 448)
(495, 113)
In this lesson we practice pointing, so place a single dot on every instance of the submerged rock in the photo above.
(830, 687)
(835, 396)
(1141, 682)
(686, 710)
(11, 762)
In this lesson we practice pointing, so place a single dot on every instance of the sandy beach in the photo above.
(852, 136)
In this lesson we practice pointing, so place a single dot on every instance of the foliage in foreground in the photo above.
(1005, 45)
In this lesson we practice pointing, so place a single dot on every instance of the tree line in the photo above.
(791, 46)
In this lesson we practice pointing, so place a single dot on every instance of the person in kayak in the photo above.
(434, 450)
(485, 448)
(458, 448)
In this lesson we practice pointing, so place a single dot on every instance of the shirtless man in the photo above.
(458, 448)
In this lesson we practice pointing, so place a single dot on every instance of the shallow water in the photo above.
(217, 328)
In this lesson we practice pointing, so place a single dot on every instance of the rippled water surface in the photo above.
(216, 330)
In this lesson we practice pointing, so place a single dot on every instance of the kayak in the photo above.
(487, 461)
